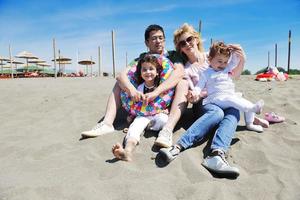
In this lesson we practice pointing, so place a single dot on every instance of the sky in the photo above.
(81, 26)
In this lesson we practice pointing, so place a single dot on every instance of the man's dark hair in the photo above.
(153, 27)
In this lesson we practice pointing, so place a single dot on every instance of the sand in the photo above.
(42, 156)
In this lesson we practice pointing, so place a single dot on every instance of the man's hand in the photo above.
(135, 95)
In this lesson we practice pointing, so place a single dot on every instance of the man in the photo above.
(155, 41)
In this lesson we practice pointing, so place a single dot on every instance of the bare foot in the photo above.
(120, 153)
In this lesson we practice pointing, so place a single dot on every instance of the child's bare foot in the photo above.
(120, 153)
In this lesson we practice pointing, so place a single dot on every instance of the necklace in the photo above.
(149, 87)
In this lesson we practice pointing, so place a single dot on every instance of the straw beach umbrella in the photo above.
(44, 64)
(62, 61)
(26, 55)
(1, 62)
(87, 63)
(15, 62)
(36, 61)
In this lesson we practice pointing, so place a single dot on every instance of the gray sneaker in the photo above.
(217, 164)
(164, 138)
(170, 153)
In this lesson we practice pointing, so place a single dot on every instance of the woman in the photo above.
(188, 42)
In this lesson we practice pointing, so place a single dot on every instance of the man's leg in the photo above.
(113, 104)
(106, 126)
(216, 161)
(178, 106)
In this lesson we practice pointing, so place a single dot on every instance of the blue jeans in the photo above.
(213, 115)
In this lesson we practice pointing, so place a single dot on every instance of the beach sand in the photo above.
(42, 156)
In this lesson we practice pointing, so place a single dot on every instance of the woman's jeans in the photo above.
(212, 115)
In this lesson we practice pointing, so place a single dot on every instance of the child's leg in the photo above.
(125, 153)
(131, 140)
(158, 121)
(249, 119)
(239, 103)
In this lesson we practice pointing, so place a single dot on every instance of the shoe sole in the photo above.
(222, 174)
(165, 154)
(92, 136)
(162, 145)
(88, 136)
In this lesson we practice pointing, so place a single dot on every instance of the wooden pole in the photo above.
(113, 52)
(91, 66)
(10, 59)
(59, 70)
(200, 26)
(268, 59)
(77, 64)
(126, 64)
(54, 54)
(275, 55)
(211, 41)
(289, 51)
(99, 62)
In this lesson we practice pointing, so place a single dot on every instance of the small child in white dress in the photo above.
(218, 83)
(148, 76)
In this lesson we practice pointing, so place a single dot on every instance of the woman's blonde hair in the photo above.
(186, 28)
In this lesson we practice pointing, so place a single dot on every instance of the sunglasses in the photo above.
(185, 42)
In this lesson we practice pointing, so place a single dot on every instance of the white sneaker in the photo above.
(217, 163)
(100, 129)
(257, 128)
(164, 138)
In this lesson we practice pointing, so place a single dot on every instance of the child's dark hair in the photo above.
(149, 59)
(153, 27)
(219, 48)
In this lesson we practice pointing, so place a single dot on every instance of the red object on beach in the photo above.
(269, 76)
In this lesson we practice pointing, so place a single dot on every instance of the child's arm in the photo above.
(197, 93)
(239, 52)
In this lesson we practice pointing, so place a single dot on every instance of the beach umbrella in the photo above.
(26, 55)
(36, 61)
(44, 64)
(62, 61)
(1, 62)
(87, 63)
(16, 63)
